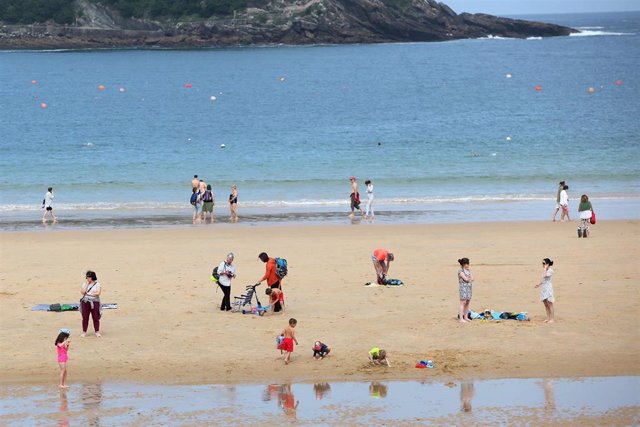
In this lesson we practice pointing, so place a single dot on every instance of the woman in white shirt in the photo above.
(369, 207)
(90, 303)
(564, 203)
(226, 272)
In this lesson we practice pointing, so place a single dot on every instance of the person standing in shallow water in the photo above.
(558, 207)
(368, 213)
(208, 200)
(354, 196)
(47, 204)
(564, 203)
(233, 203)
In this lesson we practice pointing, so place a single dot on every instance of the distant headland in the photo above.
(73, 24)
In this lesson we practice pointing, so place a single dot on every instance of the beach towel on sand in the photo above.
(387, 282)
(70, 307)
(499, 315)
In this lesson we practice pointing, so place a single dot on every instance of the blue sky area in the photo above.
(531, 7)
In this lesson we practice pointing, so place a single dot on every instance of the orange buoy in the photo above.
(43, 105)
(188, 85)
(590, 90)
(101, 87)
(33, 82)
(618, 82)
(538, 88)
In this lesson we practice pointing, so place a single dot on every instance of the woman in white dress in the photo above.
(369, 208)
(546, 293)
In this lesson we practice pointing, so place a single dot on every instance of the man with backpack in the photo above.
(196, 202)
(276, 269)
(225, 272)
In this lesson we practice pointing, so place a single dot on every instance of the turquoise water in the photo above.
(498, 402)
(438, 127)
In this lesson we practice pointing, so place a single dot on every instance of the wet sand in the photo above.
(168, 328)
(610, 401)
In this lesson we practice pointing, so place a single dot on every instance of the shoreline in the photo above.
(168, 329)
(417, 214)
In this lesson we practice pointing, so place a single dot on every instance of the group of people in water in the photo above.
(203, 200)
(355, 199)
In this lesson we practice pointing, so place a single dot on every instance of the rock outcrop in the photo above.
(295, 22)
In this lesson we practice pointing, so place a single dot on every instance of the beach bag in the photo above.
(393, 282)
(281, 267)
(214, 275)
(593, 217)
(208, 197)
(194, 199)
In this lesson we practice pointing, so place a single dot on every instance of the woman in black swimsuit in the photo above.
(233, 203)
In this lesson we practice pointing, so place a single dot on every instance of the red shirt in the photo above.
(270, 273)
(380, 254)
(276, 298)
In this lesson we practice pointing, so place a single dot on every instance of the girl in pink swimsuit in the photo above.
(62, 345)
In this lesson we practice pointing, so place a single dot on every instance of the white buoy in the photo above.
(222, 145)
(508, 138)
(282, 79)
(508, 75)
(213, 98)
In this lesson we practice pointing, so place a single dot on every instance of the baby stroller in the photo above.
(243, 303)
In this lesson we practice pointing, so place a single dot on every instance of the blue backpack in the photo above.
(281, 267)
(194, 198)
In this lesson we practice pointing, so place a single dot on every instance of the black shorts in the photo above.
(49, 208)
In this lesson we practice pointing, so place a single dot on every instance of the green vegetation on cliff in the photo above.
(175, 8)
(63, 11)
(32, 11)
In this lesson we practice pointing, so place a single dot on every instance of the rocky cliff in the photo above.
(278, 21)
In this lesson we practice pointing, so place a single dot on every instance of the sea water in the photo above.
(440, 128)
(548, 401)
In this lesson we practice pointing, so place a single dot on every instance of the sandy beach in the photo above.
(168, 328)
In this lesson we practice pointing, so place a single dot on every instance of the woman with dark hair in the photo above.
(564, 203)
(90, 303)
(546, 293)
(585, 210)
(62, 345)
(271, 276)
(465, 281)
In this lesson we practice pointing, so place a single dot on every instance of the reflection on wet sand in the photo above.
(467, 392)
(286, 399)
(91, 396)
(378, 390)
(64, 409)
(321, 390)
(549, 395)
(592, 401)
